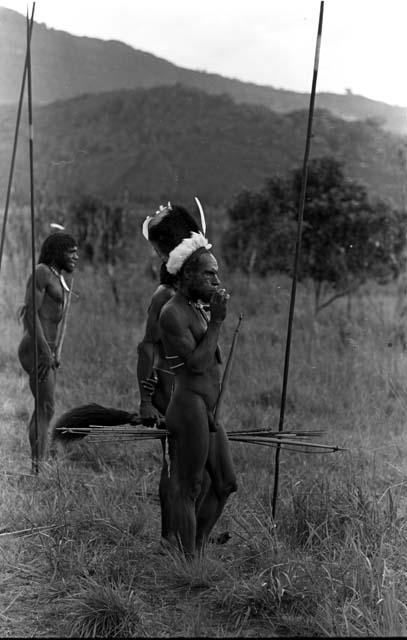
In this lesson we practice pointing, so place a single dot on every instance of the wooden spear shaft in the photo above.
(33, 278)
(297, 253)
(13, 155)
(226, 373)
(58, 350)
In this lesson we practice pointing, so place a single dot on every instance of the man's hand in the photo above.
(149, 384)
(46, 362)
(218, 305)
(148, 414)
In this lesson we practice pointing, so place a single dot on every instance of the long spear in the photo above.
(297, 253)
(33, 278)
(13, 155)
(121, 427)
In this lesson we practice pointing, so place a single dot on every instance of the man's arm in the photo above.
(146, 349)
(45, 356)
(180, 341)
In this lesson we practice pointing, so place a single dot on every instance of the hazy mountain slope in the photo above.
(173, 142)
(65, 66)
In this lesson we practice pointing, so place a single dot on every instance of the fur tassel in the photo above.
(184, 250)
(86, 415)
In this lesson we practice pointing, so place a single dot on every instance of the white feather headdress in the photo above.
(184, 250)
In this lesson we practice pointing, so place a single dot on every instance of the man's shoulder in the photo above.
(170, 308)
(161, 295)
(43, 273)
(172, 312)
(42, 267)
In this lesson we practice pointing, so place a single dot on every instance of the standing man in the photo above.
(59, 253)
(190, 339)
(155, 379)
(165, 230)
(201, 469)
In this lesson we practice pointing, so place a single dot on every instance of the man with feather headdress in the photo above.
(201, 475)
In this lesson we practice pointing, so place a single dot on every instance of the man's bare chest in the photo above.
(53, 301)
(198, 321)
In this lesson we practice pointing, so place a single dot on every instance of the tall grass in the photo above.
(79, 545)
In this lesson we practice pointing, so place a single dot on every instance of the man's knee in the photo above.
(193, 487)
(47, 408)
(230, 486)
(224, 488)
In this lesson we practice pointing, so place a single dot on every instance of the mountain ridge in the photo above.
(65, 66)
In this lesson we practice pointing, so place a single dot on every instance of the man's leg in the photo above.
(160, 400)
(46, 408)
(223, 483)
(46, 391)
(206, 484)
(187, 421)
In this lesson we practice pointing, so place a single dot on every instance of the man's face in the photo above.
(204, 281)
(69, 259)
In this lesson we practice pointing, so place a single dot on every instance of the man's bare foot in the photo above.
(220, 539)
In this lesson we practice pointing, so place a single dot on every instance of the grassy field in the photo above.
(79, 544)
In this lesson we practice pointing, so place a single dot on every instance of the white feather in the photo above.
(145, 226)
(185, 249)
(201, 212)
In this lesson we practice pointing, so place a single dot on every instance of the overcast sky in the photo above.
(364, 42)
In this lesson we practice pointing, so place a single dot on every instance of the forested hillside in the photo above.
(173, 142)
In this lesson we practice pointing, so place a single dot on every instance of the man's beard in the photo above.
(200, 294)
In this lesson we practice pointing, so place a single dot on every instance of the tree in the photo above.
(347, 237)
(99, 230)
(261, 234)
